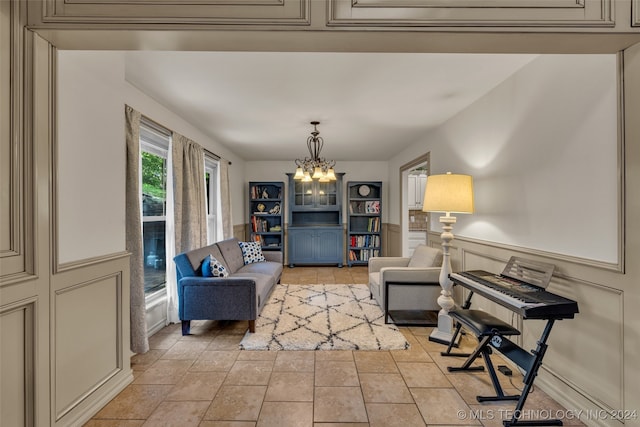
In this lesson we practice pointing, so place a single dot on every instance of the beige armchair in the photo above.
(422, 267)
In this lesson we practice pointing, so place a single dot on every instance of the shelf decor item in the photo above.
(314, 166)
(265, 214)
(448, 193)
(364, 237)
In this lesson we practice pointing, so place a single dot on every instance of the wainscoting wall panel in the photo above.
(90, 335)
(392, 235)
(227, 12)
(87, 323)
(16, 185)
(534, 13)
(594, 336)
(16, 364)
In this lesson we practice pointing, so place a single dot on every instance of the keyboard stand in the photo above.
(489, 330)
(531, 373)
(454, 340)
(492, 332)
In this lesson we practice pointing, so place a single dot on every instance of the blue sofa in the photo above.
(240, 296)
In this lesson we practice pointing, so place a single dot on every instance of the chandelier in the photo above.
(315, 167)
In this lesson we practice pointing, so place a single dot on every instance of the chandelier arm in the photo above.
(318, 144)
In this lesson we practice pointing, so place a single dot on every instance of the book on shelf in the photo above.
(364, 241)
(363, 254)
(259, 225)
(374, 224)
(372, 206)
(258, 238)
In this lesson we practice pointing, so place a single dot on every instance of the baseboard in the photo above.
(79, 418)
(577, 403)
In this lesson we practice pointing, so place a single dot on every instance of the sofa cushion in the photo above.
(264, 285)
(251, 252)
(211, 267)
(425, 256)
(197, 257)
(232, 254)
(271, 269)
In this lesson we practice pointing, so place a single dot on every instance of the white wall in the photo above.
(91, 155)
(92, 92)
(542, 147)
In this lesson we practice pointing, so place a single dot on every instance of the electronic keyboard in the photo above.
(528, 300)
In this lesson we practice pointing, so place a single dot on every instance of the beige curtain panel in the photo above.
(139, 341)
(225, 200)
(189, 209)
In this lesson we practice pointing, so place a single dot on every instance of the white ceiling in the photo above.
(370, 105)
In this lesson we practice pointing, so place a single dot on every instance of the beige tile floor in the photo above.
(204, 380)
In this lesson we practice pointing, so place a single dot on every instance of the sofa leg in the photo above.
(186, 327)
(252, 326)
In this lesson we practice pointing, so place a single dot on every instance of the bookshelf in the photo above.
(266, 210)
(364, 237)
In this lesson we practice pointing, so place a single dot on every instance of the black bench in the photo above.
(489, 330)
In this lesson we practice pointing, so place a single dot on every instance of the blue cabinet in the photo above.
(315, 232)
(315, 245)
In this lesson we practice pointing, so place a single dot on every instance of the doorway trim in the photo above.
(404, 211)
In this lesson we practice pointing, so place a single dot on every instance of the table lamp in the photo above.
(448, 193)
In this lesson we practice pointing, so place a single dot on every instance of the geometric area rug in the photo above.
(322, 317)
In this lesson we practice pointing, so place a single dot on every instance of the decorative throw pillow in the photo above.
(211, 267)
(424, 256)
(205, 267)
(251, 252)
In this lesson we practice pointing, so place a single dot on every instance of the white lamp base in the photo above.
(444, 333)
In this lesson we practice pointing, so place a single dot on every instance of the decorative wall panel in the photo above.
(16, 366)
(595, 337)
(518, 13)
(247, 12)
(16, 189)
(635, 13)
(88, 339)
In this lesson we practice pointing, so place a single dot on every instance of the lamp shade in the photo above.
(299, 173)
(448, 193)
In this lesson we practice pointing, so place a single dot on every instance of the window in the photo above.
(211, 187)
(154, 145)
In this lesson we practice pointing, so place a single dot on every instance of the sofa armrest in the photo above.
(377, 263)
(275, 256)
(410, 274)
(230, 298)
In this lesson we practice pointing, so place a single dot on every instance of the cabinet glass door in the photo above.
(327, 193)
(303, 192)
